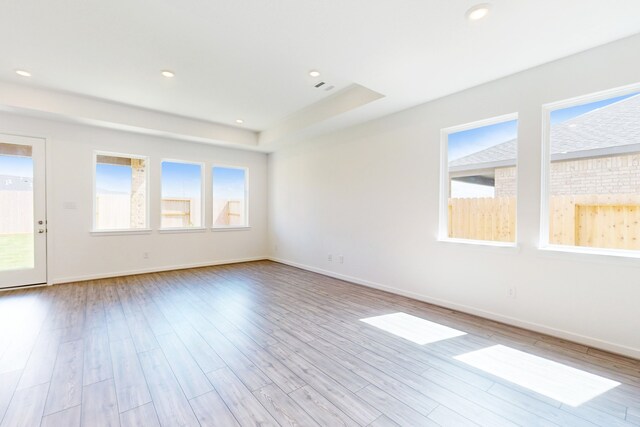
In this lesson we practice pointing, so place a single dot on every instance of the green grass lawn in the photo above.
(16, 251)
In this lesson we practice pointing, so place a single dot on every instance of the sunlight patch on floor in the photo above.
(552, 379)
(413, 328)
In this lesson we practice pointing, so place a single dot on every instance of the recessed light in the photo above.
(23, 73)
(167, 73)
(478, 11)
(314, 73)
(239, 121)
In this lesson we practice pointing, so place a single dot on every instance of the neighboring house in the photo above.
(15, 183)
(595, 153)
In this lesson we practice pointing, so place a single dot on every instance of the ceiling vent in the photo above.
(324, 86)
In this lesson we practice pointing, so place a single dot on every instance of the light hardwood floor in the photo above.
(266, 344)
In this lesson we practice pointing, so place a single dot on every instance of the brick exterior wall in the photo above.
(505, 185)
(138, 194)
(604, 175)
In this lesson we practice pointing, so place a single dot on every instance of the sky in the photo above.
(178, 180)
(564, 114)
(113, 178)
(16, 166)
(463, 143)
(228, 183)
(182, 180)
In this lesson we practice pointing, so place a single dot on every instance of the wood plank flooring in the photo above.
(266, 344)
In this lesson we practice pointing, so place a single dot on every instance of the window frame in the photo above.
(144, 230)
(246, 225)
(203, 220)
(443, 217)
(545, 181)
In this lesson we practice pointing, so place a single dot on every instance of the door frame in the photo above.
(17, 136)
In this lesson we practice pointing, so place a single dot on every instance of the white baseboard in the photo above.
(16, 288)
(153, 270)
(536, 327)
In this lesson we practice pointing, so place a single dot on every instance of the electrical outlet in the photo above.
(329, 257)
(511, 292)
(341, 259)
(145, 255)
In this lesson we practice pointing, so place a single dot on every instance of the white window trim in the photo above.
(202, 198)
(622, 253)
(174, 230)
(121, 232)
(231, 228)
(443, 224)
(471, 242)
(146, 229)
(547, 109)
(247, 224)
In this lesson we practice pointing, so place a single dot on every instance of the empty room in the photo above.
(319, 213)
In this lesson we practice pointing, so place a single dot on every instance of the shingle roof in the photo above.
(501, 152)
(614, 125)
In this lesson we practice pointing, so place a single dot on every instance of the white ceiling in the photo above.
(250, 59)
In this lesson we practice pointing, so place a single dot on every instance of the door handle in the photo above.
(41, 230)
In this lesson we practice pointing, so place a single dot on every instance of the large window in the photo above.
(121, 193)
(229, 197)
(181, 204)
(479, 175)
(592, 173)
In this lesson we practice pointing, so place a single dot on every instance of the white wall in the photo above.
(76, 254)
(370, 193)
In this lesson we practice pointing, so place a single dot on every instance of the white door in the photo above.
(23, 223)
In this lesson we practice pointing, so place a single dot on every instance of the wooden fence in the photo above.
(113, 211)
(483, 219)
(176, 213)
(16, 213)
(602, 221)
(228, 212)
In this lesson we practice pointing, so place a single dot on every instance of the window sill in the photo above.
(182, 230)
(243, 228)
(479, 243)
(581, 250)
(120, 232)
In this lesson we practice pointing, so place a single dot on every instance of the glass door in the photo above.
(23, 224)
